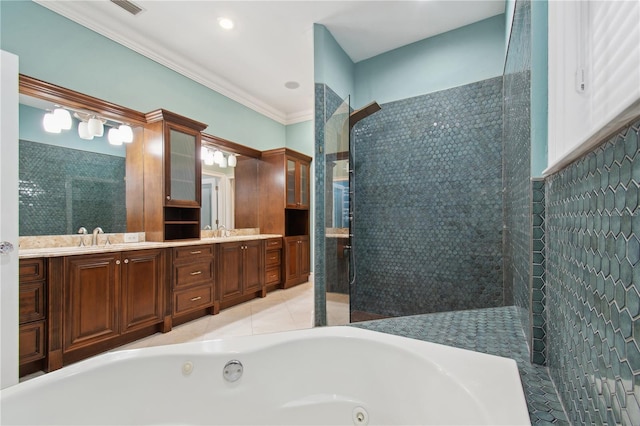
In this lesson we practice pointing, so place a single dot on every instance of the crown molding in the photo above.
(218, 84)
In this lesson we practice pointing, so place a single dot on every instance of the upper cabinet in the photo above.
(172, 176)
(297, 183)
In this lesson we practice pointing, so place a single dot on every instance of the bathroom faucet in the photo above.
(94, 239)
(82, 231)
(221, 229)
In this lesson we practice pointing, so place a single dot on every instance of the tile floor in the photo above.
(281, 310)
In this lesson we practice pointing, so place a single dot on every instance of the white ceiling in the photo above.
(272, 41)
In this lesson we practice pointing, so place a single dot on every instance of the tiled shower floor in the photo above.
(493, 331)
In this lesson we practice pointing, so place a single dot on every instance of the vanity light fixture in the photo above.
(114, 136)
(96, 127)
(218, 157)
(232, 160)
(223, 163)
(83, 131)
(63, 117)
(50, 123)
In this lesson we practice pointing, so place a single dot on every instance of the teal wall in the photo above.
(57, 50)
(539, 86)
(332, 66)
(31, 129)
(509, 8)
(300, 137)
(462, 56)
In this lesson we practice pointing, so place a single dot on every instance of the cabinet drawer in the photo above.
(272, 258)
(198, 297)
(31, 270)
(185, 254)
(274, 243)
(31, 342)
(193, 273)
(31, 302)
(272, 276)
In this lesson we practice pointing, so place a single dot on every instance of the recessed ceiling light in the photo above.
(225, 23)
(292, 85)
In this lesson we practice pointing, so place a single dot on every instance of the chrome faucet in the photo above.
(221, 229)
(82, 231)
(94, 239)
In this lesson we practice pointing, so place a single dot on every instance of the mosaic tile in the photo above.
(62, 189)
(593, 305)
(428, 204)
(494, 331)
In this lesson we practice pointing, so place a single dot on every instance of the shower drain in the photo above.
(360, 416)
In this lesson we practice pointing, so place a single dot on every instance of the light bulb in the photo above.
(126, 132)
(83, 131)
(208, 158)
(223, 163)
(232, 160)
(114, 136)
(63, 117)
(96, 128)
(50, 123)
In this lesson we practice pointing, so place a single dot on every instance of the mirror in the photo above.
(66, 182)
(218, 194)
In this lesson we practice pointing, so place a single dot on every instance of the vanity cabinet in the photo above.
(171, 172)
(273, 263)
(193, 281)
(297, 253)
(108, 299)
(241, 272)
(33, 315)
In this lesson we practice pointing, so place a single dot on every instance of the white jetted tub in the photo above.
(327, 376)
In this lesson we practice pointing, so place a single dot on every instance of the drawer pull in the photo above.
(193, 299)
(196, 252)
(272, 276)
(196, 273)
(273, 257)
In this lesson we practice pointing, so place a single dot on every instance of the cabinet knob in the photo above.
(117, 262)
(168, 197)
(126, 261)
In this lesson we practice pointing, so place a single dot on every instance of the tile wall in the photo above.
(593, 282)
(62, 189)
(428, 203)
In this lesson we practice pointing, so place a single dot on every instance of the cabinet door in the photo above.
(304, 185)
(91, 299)
(230, 276)
(292, 191)
(182, 167)
(292, 258)
(305, 256)
(142, 274)
(253, 272)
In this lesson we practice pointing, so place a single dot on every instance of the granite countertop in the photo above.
(102, 248)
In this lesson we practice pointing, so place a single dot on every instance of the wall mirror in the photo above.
(67, 182)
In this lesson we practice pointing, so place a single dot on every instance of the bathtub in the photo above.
(327, 376)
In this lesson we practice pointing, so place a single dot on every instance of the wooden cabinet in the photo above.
(169, 158)
(297, 253)
(273, 263)
(241, 271)
(32, 304)
(100, 301)
(283, 199)
(110, 294)
(193, 282)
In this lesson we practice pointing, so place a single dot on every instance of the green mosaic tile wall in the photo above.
(593, 282)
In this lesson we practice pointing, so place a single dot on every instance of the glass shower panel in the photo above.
(337, 233)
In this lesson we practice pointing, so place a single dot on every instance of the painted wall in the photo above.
(57, 50)
(332, 66)
(462, 56)
(539, 86)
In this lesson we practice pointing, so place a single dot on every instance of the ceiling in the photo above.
(272, 41)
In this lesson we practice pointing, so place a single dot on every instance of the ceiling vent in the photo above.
(130, 7)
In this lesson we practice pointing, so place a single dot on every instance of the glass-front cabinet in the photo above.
(183, 167)
(297, 184)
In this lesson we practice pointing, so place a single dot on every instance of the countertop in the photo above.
(72, 251)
